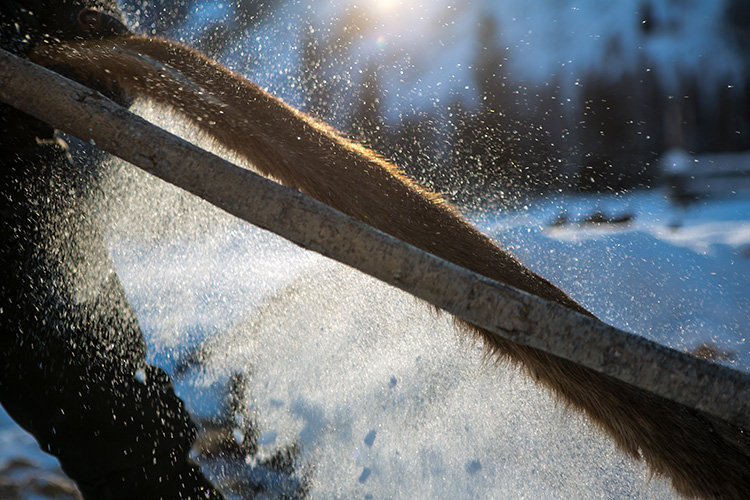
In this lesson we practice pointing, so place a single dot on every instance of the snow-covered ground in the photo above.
(383, 398)
(380, 396)
(675, 274)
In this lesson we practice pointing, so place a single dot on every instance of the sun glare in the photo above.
(390, 10)
(383, 7)
(393, 18)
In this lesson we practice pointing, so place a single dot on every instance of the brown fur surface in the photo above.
(703, 456)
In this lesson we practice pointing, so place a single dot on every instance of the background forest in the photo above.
(491, 100)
